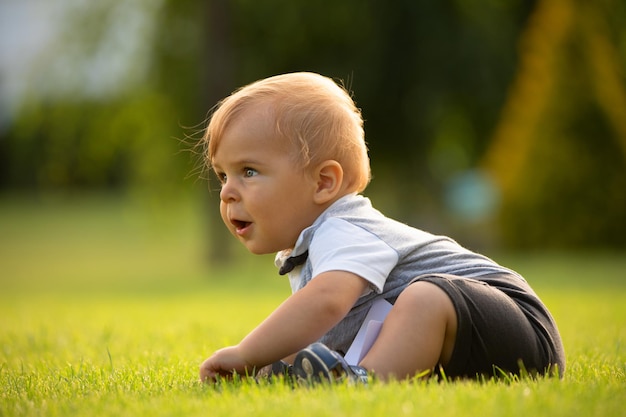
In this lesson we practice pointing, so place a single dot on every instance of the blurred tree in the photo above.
(97, 113)
(217, 81)
(559, 151)
(432, 79)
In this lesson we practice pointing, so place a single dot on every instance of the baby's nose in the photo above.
(228, 192)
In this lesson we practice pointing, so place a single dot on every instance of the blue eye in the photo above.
(249, 172)
(221, 177)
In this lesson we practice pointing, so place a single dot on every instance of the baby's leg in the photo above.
(422, 320)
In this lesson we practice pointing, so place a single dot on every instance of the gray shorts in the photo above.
(502, 327)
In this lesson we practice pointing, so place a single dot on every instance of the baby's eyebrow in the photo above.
(238, 163)
(245, 162)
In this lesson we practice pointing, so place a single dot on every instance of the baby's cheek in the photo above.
(223, 214)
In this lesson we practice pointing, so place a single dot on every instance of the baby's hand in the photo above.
(222, 364)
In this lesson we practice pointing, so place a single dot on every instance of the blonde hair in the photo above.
(312, 112)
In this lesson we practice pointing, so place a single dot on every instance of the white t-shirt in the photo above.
(343, 246)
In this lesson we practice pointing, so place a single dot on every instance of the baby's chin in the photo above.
(263, 250)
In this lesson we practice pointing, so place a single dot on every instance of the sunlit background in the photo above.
(500, 123)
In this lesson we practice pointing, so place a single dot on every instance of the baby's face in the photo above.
(266, 200)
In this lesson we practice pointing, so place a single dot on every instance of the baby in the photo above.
(290, 154)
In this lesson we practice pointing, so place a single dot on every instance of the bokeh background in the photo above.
(501, 123)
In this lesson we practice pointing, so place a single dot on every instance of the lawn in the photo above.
(107, 309)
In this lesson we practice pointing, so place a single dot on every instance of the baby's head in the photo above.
(311, 113)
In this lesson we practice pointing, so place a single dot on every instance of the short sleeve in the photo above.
(339, 245)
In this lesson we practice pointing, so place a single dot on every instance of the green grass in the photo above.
(107, 309)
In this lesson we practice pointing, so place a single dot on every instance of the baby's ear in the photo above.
(329, 178)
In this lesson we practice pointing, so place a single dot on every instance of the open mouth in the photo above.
(240, 225)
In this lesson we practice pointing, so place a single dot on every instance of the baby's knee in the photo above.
(427, 300)
(426, 294)
(425, 312)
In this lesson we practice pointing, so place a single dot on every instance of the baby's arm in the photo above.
(302, 319)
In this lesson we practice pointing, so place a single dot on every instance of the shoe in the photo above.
(318, 364)
(277, 369)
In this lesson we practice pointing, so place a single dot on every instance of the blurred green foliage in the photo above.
(530, 94)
